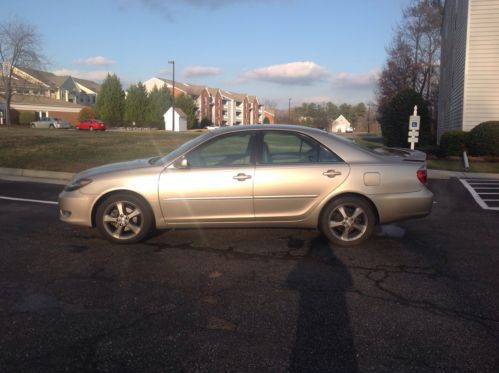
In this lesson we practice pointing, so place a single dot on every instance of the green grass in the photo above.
(74, 151)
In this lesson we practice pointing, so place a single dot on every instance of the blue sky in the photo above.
(306, 50)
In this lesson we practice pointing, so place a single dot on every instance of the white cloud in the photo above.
(293, 73)
(98, 75)
(356, 81)
(94, 61)
(319, 99)
(195, 71)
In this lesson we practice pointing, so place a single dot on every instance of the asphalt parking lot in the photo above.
(422, 296)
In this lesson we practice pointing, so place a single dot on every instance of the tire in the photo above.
(347, 221)
(51, 126)
(124, 218)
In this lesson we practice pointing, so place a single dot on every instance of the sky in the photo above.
(303, 50)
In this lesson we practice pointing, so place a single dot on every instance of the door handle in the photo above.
(241, 177)
(331, 173)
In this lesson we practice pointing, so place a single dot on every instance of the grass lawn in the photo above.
(74, 151)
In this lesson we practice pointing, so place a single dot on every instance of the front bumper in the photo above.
(76, 208)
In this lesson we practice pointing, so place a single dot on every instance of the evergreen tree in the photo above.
(111, 101)
(159, 101)
(186, 103)
(136, 105)
(394, 119)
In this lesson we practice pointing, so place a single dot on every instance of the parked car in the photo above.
(251, 176)
(91, 125)
(50, 122)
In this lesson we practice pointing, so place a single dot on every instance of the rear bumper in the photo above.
(394, 207)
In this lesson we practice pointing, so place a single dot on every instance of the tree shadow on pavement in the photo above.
(324, 341)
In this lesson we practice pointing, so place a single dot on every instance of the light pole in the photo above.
(289, 110)
(173, 96)
(368, 116)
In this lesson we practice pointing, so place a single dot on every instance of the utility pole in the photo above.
(173, 96)
(368, 116)
(289, 110)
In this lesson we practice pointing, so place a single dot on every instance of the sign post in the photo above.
(414, 121)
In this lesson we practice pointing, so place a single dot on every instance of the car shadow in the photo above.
(324, 341)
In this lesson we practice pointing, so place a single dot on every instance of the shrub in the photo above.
(205, 122)
(394, 119)
(454, 142)
(484, 139)
(26, 117)
(86, 113)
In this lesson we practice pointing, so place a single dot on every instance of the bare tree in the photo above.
(19, 47)
(414, 53)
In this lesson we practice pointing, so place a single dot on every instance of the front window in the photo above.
(230, 150)
(288, 148)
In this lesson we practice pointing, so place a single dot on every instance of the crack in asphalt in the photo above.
(376, 275)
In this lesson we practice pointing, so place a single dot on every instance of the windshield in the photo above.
(181, 149)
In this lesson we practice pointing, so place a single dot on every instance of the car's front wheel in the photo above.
(347, 221)
(124, 218)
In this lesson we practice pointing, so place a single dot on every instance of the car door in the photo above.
(213, 183)
(293, 174)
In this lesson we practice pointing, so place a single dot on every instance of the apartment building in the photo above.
(469, 71)
(47, 94)
(223, 108)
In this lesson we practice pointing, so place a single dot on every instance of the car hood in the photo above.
(114, 167)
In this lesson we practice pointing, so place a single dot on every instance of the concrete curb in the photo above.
(40, 176)
(55, 177)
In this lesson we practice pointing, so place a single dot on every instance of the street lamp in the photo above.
(173, 96)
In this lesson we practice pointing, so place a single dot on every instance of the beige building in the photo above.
(469, 71)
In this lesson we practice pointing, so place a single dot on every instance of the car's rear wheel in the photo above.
(124, 218)
(347, 221)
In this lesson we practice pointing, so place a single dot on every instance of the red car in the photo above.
(91, 125)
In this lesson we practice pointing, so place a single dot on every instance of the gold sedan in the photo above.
(251, 176)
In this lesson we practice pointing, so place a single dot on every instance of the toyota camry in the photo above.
(251, 176)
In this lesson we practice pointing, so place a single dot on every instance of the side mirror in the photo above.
(181, 163)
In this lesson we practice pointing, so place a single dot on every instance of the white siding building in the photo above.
(469, 71)
(180, 120)
(340, 124)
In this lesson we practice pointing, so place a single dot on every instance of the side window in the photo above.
(230, 150)
(282, 148)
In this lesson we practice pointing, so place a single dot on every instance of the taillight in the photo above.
(422, 175)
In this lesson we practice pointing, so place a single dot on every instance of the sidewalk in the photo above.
(53, 177)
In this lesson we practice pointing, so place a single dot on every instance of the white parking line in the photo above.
(471, 185)
(28, 200)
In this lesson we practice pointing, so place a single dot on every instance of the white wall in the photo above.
(180, 123)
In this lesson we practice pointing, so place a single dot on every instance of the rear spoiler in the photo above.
(403, 154)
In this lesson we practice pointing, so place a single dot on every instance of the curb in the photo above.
(40, 176)
(56, 177)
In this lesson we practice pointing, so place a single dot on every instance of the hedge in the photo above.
(484, 139)
(454, 142)
(26, 117)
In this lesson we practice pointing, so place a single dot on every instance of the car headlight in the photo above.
(77, 184)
